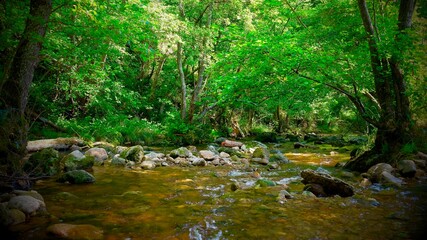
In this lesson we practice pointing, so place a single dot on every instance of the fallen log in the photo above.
(57, 143)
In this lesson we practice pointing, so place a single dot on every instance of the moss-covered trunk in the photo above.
(14, 92)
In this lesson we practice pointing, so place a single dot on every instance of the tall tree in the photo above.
(14, 93)
(394, 124)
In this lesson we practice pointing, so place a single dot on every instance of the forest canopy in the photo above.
(188, 71)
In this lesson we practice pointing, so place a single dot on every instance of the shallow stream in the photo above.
(198, 203)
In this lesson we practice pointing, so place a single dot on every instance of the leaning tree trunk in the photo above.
(14, 93)
(390, 88)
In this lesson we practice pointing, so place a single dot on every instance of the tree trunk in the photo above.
(281, 120)
(155, 77)
(390, 88)
(14, 93)
(182, 80)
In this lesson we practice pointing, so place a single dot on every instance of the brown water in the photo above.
(198, 203)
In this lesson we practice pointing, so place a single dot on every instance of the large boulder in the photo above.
(407, 168)
(31, 193)
(77, 161)
(10, 216)
(43, 163)
(331, 186)
(134, 154)
(99, 154)
(71, 231)
(181, 152)
(375, 172)
(26, 204)
(77, 177)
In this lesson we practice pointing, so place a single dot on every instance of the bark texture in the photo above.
(394, 128)
(14, 92)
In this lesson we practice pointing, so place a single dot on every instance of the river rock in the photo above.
(230, 144)
(422, 155)
(100, 154)
(31, 193)
(224, 155)
(316, 189)
(77, 177)
(420, 163)
(283, 196)
(181, 152)
(365, 183)
(76, 161)
(332, 186)
(118, 161)
(261, 156)
(153, 156)
(148, 165)
(407, 168)
(388, 178)
(71, 231)
(375, 172)
(26, 204)
(10, 216)
(134, 153)
(207, 155)
(200, 162)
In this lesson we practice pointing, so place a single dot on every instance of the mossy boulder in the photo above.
(77, 177)
(181, 152)
(43, 163)
(77, 161)
(134, 154)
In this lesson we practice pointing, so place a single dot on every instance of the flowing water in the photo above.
(198, 203)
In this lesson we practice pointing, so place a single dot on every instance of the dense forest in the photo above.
(186, 72)
(136, 74)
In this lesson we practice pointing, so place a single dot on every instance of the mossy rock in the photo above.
(43, 163)
(181, 152)
(134, 154)
(77, 177)
(231, 151)
(71, 163)
(265, 183)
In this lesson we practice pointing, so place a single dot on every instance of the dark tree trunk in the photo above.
(14, 93)
(394, 130)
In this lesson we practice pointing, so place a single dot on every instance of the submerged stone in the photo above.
(77, 177)
(26, 204)
(71, 231)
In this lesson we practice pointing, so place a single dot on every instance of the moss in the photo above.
(44, 162)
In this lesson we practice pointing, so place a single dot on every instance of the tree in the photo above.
(394, 124)
(15, 90)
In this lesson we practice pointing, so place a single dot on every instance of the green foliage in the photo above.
(115, 129)
(409, 148)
